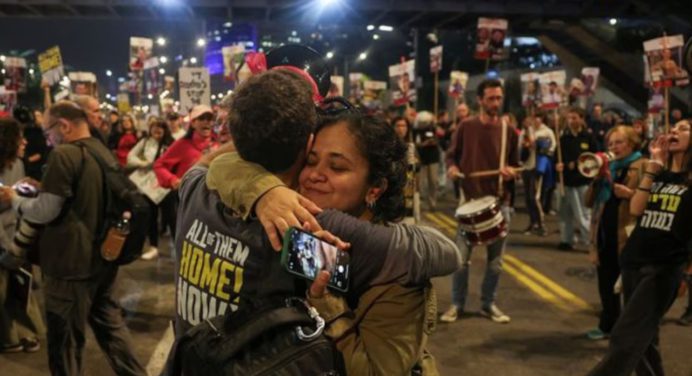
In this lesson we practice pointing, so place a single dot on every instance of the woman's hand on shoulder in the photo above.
(281, 208)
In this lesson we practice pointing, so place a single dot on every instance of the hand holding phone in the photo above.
(306, 255)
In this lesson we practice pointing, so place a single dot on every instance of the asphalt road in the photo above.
(550, 295)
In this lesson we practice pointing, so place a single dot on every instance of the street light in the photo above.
(193, 60)
(363, 56)
(163, 59)
(330, 55)
(162, 71)
(375, 36)
(371, 27)
(386, 28)
(201, 42)
(613, 21)
(109, 73)
(161, 41)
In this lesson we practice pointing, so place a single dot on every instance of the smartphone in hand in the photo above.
(305, 255)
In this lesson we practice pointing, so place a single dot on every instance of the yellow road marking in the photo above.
(539, 290)
(541, 285)
(447, 219)
(547, 282)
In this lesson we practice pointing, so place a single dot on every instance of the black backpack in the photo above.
(120, 195)
(263, 337)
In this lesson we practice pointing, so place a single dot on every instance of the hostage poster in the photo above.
(552, 89)
(336, 88)
(152, 78)
(140, 51)
(457, 84)
(83, 83)
(15, 74)
(194, 88)
(402, 79)
(490, 42)
(355, 87)
(664, 59)
(50, 65)
(436, 59)
(530, 90)
(374, 94)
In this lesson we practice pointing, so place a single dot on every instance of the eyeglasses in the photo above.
(51, 126)
(335, 105)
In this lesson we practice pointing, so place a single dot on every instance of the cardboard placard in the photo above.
(194, 88)
(50, 65)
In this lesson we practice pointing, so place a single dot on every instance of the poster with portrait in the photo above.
(140, 51)
(8, 99)
(234, 68)
(83, 83)
(194, 87)
(336, 88)
(152, 78)
(490, 41)
(582, 87)
(355, 86)
(402, 82)
(436, 59)
(530, 90)
(552, 89)
(664, 58)
(374, 94)
(457, 84)
(50, 65)
(15, 74)
(656, 100)
(123, 103)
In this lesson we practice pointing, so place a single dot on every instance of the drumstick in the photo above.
(485, 173)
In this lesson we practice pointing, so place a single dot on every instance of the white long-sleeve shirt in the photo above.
(543, 132)
(143, 153)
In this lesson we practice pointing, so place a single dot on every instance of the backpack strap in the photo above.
(101, 229)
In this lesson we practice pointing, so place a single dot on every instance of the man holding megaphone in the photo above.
(574, 141)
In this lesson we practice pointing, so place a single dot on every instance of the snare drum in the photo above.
(482, 221)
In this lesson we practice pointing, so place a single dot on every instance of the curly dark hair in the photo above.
(386, 156)
(10, 134)
(271, 117)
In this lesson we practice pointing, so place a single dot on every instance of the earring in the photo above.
(371, 204)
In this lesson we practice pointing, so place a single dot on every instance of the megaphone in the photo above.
(593, 164)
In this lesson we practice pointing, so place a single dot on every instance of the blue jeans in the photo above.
(493, 268)
(573, 210)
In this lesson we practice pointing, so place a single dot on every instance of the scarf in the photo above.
(606, 184)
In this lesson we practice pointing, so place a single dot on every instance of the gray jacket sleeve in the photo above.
(418, 253)
(409, 255)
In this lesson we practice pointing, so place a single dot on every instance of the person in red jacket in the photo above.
(182, 155)
(127, 140)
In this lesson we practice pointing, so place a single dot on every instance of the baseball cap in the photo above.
(200, 110)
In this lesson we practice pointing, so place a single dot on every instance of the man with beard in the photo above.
(476, 146)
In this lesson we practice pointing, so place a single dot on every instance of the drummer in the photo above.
(476, 146)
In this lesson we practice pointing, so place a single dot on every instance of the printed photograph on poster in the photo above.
(194, 88)
(140, 51)
(436, 59)
(83, 83)
(664, 57)
(374, 94)
(355, 87)
(457, 83)
(15, 74)
(234, 67)
(656, 101)
(490, 40)
(336, 88)
(402, 82)
(582, 87)
(552, 88)
(50, 65)
(152, 79)
(169, 84)
(8, 99)
(530, 90)
(589, 77)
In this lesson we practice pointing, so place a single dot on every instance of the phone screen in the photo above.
(305, 255)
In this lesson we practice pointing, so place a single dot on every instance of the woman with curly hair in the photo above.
(357, 165)
(19, 325)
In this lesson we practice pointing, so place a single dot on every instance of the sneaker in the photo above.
(6, 349)
(151, 254)
(596, 334)
(495, 314)
(529, 230)
(31, 345)
(565, 246)
(686, 319)
(450, 314)
(540, 231)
